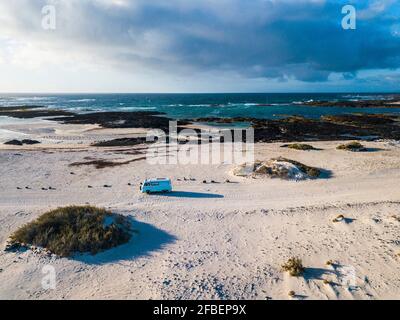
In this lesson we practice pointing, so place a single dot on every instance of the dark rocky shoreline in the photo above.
(338, 127)
(357, 104)
(293, 128)
(29, 112)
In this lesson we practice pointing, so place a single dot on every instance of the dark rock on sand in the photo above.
(121, 142)
(153, 120)
(340, 127)
(389, 103)
(14, 143)
(26, 112)
(30, 142)
(20, 143)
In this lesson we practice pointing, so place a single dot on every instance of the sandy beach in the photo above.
(206, 241)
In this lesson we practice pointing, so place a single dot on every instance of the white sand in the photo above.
(212, 241)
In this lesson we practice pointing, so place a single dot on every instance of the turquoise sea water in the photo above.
(179, 106)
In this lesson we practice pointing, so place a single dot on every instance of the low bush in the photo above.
(74, 229)
(351, 146)
(294, 266)
(300, 146)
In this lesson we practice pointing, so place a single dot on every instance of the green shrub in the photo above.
(300, 146)
(351, 146)
(294, 266)
(74, 229)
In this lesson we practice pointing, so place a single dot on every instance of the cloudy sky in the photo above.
(199, 46)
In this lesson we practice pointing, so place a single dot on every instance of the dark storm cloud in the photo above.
(285, 39)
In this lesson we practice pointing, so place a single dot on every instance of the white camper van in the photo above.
(156, 185)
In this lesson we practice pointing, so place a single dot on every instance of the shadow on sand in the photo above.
(185, 194)
(325, 174)
(373, 150)
(145, 240)
(316, 273)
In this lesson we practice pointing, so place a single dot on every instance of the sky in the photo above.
(198, 46)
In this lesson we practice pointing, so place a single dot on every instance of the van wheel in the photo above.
(148, 192)
(164, 191)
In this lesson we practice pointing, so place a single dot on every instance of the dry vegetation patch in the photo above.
(74, 229)
(351, 146)
(299, 146)
(294, 266)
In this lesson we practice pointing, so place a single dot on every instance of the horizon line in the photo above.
(199, 93)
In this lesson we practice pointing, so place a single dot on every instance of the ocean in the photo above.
(184, 106)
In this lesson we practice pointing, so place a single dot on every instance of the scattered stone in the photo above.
(338, 218)
(107, 186)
